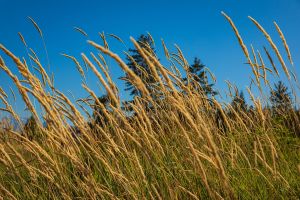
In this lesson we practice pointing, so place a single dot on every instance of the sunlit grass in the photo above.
(175, 144)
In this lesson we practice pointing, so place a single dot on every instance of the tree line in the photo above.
(280, 97)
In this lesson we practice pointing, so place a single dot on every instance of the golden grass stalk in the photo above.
(262, 64)
(98, 74)
(254, 55)
(22, 39)
(151, 38)
(192, 149)
(164, 73)
(274, 47)
(188, 192)
(166, 51)
(10, 110)
(150, 64)
(36, 26)
(78, 66)
(284, 42)
(182, 58)
(117, 38)
(13, 94)
(81, 31)
(213, 77)
(43, 72)
(17, 82)
(136, 80)
(237, 115)
(244, 47)
(5, 191)
(43, 40)
(271, 61)
(219, 107)
(102, 35)
(3, 93)
(107, 76)
(255, 153)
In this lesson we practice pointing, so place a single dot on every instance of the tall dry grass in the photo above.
(186, 146)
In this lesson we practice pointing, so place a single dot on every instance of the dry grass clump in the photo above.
(176, 144)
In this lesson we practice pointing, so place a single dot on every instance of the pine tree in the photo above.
(31, 129)
(198, 75)
(280, 97)
(239, 103)
(140, 67)
(98, 115)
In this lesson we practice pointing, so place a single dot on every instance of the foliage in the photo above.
(280, 97)
(99, 116)
(175, 150)
(198, 77)
(31, 129)
(139, 66)
(239, 103)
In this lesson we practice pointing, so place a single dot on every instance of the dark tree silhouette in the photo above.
(139, 66)
(282, 108)
(280, 97)
(239, 103)
(198, 74)
(98, 115)
(31, 129)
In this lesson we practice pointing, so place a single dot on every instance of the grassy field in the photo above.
(175, 143)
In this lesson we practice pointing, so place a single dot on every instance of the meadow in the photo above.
(172, 141)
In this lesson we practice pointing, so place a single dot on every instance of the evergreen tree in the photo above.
(280, 97)
(198, 75)
(239, 103)
(31, 129)
(98, 115)
(140, 67)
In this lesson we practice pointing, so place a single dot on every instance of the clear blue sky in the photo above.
(195, 25)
